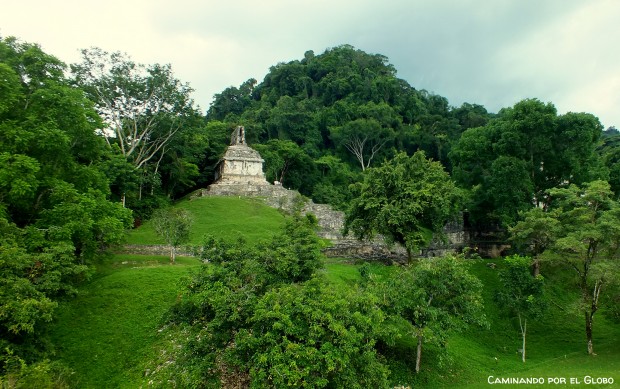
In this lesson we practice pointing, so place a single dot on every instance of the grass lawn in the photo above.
(224, 217)
(556, 346)
(108, 332)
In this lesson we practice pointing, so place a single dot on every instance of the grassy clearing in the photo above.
(556, 344)
(108, 332)
(224, 217)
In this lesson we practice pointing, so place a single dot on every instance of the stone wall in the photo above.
(331, 224)
(375, 250)
(154, 249)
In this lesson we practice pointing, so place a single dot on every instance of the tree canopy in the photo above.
(55, 211)
(586, 239)
(148, 117)
(407, 200)
(510, 162)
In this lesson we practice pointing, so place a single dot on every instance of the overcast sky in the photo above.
(489, 52)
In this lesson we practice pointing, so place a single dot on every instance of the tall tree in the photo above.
(586, 241)
(142, 107)
(521, 294)
(406, 199)
(589, 242)
(436, 297)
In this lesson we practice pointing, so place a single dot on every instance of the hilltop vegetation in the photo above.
(90, 150)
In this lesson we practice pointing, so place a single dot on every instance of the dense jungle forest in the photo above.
(92, 150)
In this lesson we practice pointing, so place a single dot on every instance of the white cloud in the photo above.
(569, 61)
(492, 52)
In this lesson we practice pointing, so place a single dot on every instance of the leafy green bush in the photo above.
(260, 316)
(40, 375)
(315, 336)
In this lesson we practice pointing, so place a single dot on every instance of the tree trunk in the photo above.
(589, 313)
(409, 255)
(536, 267)
(523, 333)
(589, 319)
(418, 357)
(173, 254)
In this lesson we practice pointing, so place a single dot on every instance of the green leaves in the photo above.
(54, 213)
(582, 231)
(87, 220)
(287, 324)
(173, 225)
(18, 179)
(406, 200)
(511, 161)
(142, 106)
(312, 335)
(9, 88)
(521, 293)
(435, 297)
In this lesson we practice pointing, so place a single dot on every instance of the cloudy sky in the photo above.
(489, 52)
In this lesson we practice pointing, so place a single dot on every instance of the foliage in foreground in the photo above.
(263, 317)
(55, 212)
(44, 374)
(313, 335)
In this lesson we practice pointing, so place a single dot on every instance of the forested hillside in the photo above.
(91, 150)
(322, 120)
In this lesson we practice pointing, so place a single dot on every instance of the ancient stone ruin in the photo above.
(240, 169)
(240, 173)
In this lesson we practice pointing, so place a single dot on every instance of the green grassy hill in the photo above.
(225, 217)
(110, 330)
(111, 334)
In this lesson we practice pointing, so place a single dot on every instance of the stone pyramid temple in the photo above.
(240, 170)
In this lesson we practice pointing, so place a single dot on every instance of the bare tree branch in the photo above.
(141, 106)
